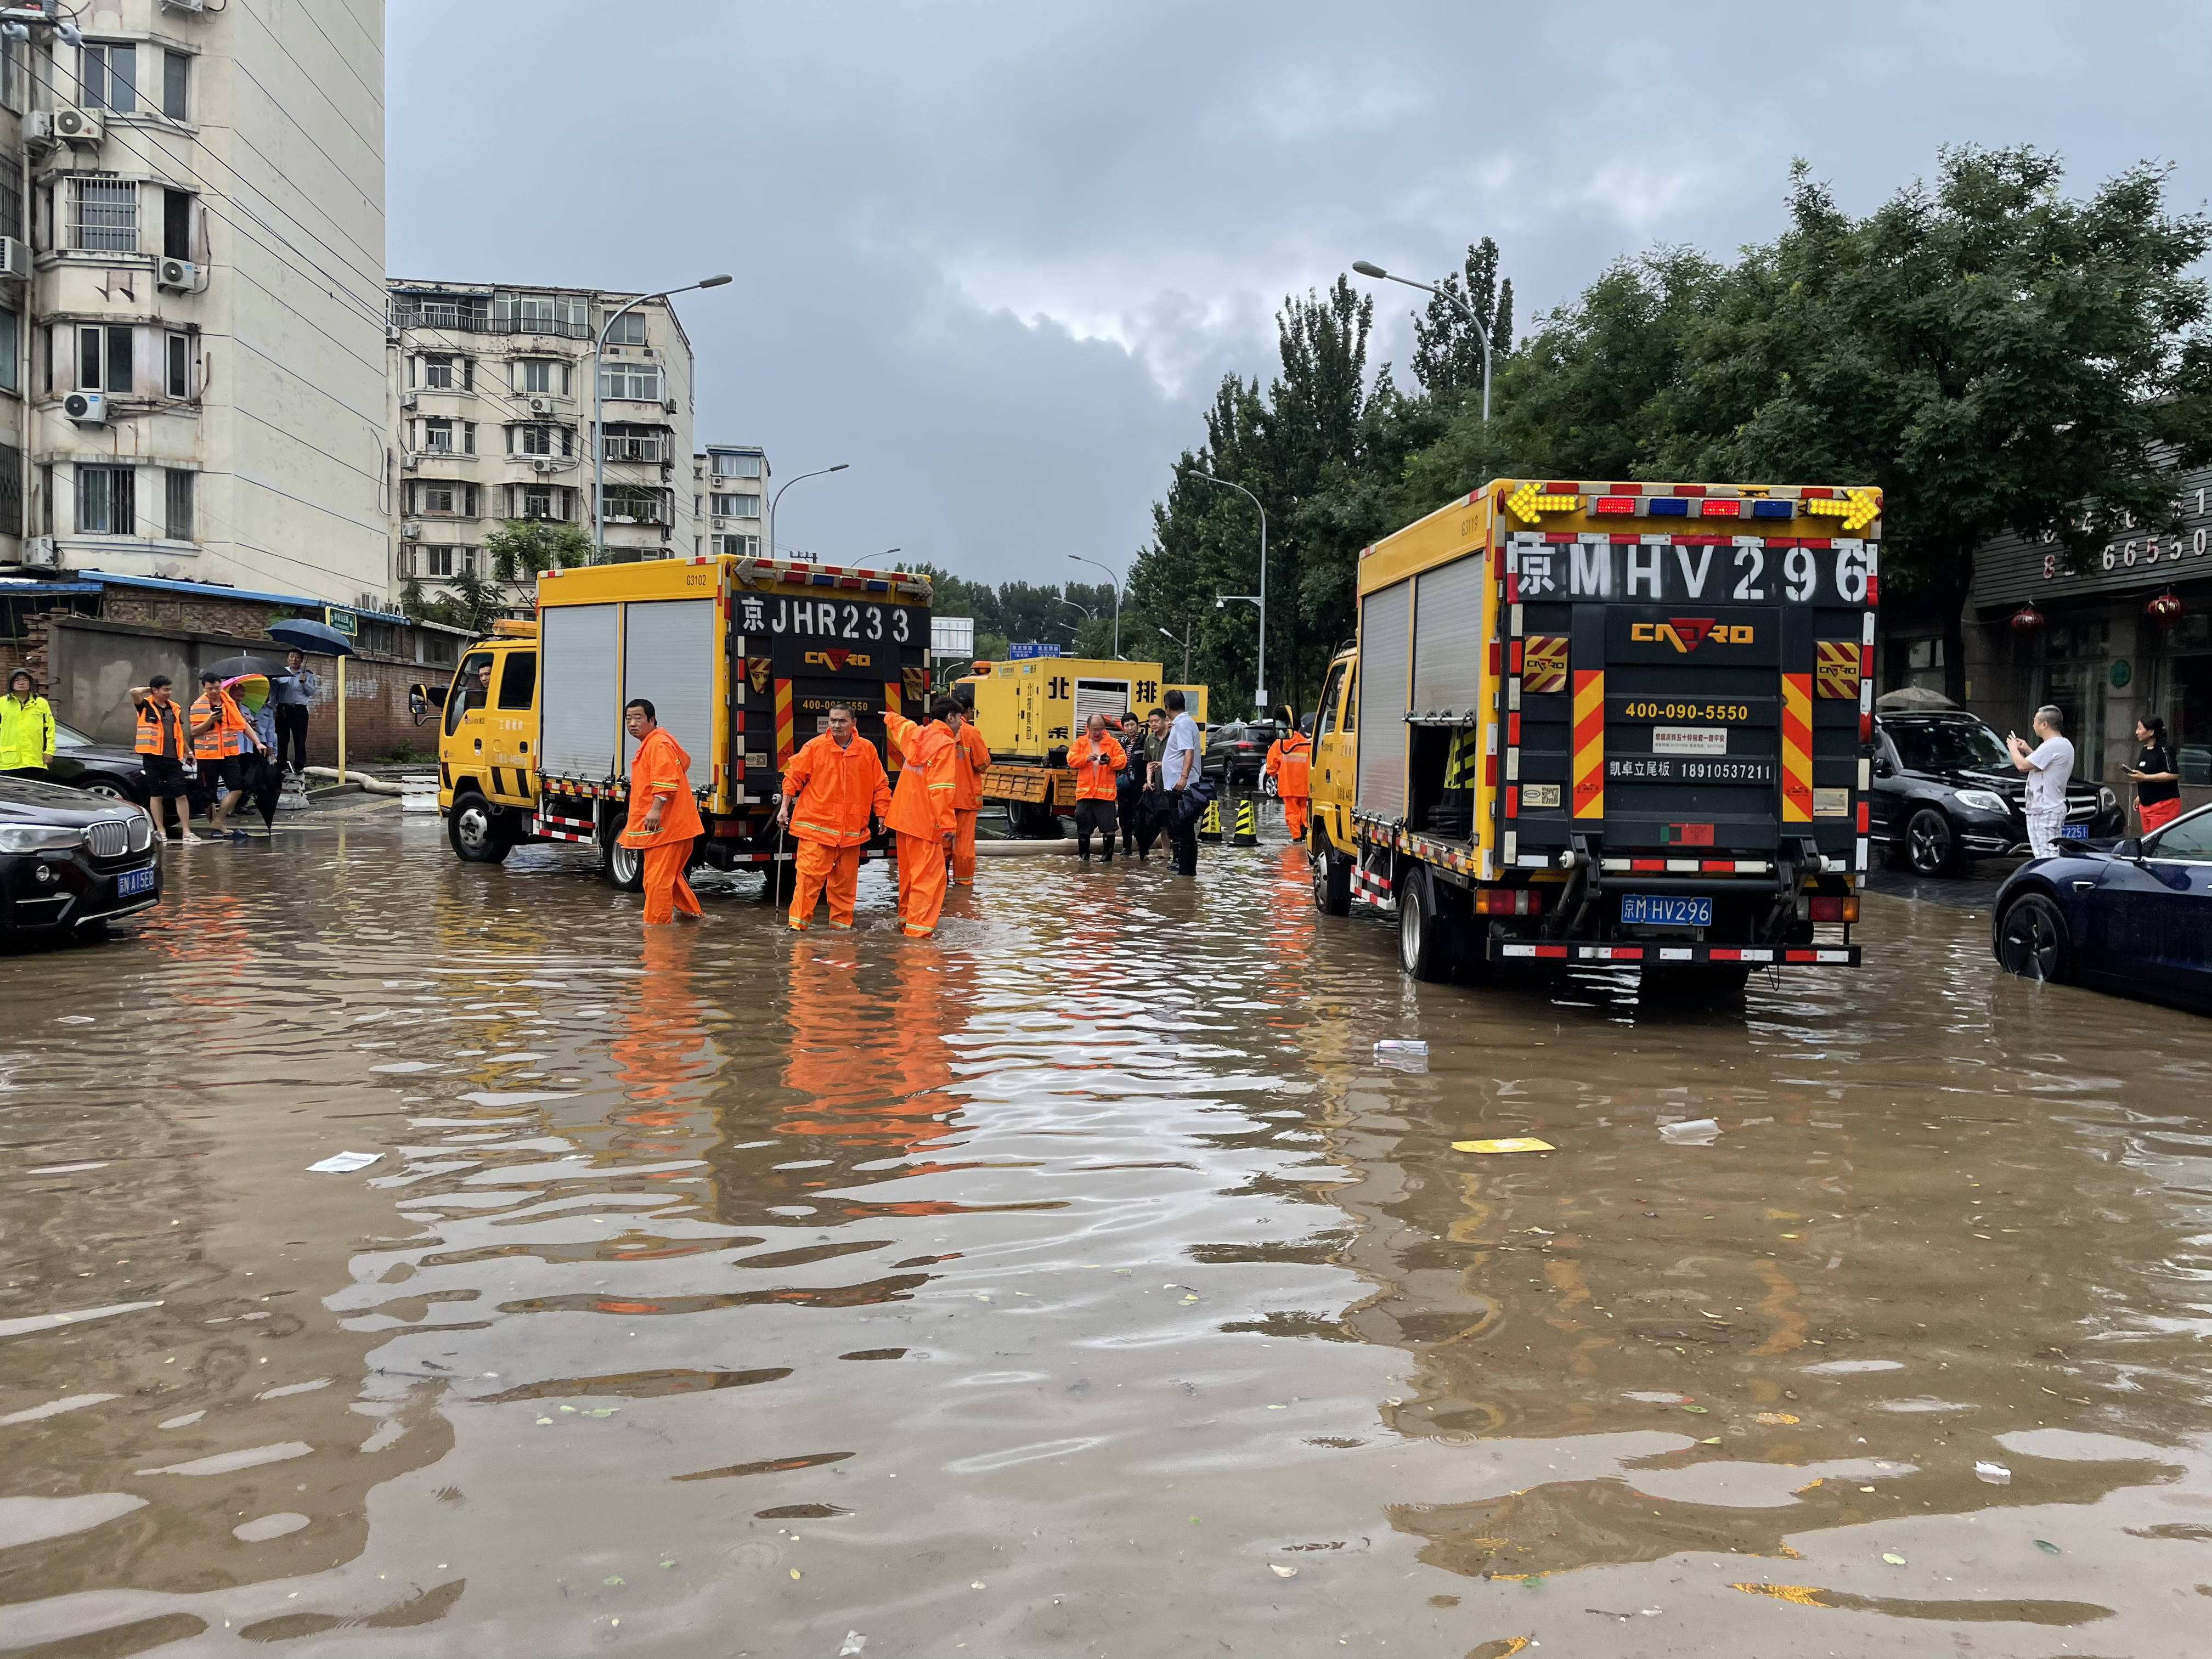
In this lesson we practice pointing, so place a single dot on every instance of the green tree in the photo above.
(523, 550)
(1446, 345)
(469, 601)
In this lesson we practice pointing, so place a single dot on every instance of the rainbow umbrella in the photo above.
(249, 691)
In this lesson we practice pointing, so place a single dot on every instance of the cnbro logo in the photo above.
(1686, 634)
(835, 660)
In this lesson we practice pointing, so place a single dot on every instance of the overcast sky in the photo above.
(998, 256)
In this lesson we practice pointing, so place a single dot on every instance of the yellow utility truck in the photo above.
(1608, 724)
(1030, 709)
(741, 658)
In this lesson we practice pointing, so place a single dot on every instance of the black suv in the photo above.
(1236, 750)
(69, 859)
(1945, 790)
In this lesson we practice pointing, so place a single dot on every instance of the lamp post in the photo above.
(1481, 325)
(1116, 582)
(1259, 692)
(599, 418)
(1188, 628)
(788, 484)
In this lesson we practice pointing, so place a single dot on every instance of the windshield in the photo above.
(1948, 746)
(68, 737)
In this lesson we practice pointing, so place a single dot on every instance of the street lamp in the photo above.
(1116, 582)
(1188, 628)
(598, 417)
(1259, 693)
(1481, 327)
(788, 484)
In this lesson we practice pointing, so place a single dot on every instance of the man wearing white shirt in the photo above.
(2050, 768)
(1178, 770)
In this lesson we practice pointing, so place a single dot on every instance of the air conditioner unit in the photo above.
(410, 531)
(407, 400)
(408, 460)
(14, 259)
(669, 407)
(78, 126)
(178, 276)
(541, 466)
(185, 5)
(42, 551)
(540, 405)
(85, 408)
(646, 352)
(38, 129)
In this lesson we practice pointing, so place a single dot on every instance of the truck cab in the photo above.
(487, 720)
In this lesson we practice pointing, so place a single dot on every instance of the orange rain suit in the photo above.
(661, 771)
(971, 758)
(922, 814)
(1290, 762)
(1098, 771)
(832, 793)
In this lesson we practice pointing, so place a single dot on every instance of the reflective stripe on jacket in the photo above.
(227, 736)
(1290, 762)
(833, 791)
(922, 803)
(661, 768)
(1098, 771)
(157, 735)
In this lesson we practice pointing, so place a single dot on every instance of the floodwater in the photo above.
(1075, 1283)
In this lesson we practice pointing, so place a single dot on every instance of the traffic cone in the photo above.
(1209, 822)
(1248, 825)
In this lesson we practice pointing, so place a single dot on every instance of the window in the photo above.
(103, 359)
(2190, 839)
(11, 378)
(11, 210)
(737, 507)
(546, 375)
(438, 373)
(177, 505)
(739, 547)
(181, 366)
(11, 75)
(639, 380)
(736, 467)
(444, 564)
(622, 444)
(110, 74)
(11, 491)
(176, 224)
(465, 696)
(627, 330)
(444, 500)
(1328, 701)
(103, 215)
(106, 503)
(517, 680)
(637, 503)
(176, 83)
(438, 437)
(542, 502)
(541, 313)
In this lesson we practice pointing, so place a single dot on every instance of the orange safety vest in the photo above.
(1098, 771)
(832, 791)
(159, 737)
(922, 803)
(227, 736)
(1290, 762)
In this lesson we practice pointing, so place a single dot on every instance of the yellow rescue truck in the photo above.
(1030, 709)
(1608, 724)
(741, 658)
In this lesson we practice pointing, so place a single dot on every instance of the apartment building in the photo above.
(15, 297)
(729, 485)
(492, 388)
(200, 370)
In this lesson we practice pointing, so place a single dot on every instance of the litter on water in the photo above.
(1697, 1132)
(1402, 1054)
(1996, 1474)
(1510, 1144)
(344, 1163)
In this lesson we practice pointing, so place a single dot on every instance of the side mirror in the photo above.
(2131, 848)
(1883, 769)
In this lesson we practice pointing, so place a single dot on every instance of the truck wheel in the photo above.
(477, 832)
(1332, 883)
(622, 866)
(1420, 930)
(1931, 848)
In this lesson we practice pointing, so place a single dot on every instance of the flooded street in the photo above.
(1071, 1283)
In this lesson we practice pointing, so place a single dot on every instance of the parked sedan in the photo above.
(69, 860)
(2136, 919)
(1236, 750)
(114, 769)
(1945, 790)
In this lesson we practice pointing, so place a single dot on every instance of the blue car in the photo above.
(2136, 919)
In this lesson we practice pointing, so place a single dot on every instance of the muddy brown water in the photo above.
(1073, 1284)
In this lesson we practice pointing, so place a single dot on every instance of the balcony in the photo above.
(649, 452)
(469, 320)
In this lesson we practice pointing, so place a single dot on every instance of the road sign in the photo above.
(953, 636)
(342, 620)
(1020, 649)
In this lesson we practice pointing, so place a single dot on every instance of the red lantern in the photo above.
(2166, 610)
(2026, 619)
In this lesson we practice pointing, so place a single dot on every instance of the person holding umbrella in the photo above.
(298, 686)
(221, 739)
(664, 819)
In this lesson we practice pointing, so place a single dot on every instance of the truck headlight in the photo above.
(37, 838)
(1984, 800)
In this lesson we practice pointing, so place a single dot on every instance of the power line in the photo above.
(375, 423)
(308, 12)
(302, 127)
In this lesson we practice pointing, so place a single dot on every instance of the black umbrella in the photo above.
(310, 636)
(264, 782)
(231, 667)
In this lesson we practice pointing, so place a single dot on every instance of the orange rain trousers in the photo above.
(920, 883)
(963, 847)
(1294, 815)
(665, 889)
(832, 870)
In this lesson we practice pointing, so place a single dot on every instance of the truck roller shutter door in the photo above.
(668, 658)
(1384, 619)
(579, 717)
(1447, 641)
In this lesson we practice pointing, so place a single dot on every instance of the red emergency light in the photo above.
(1713, 507)
(1616, 504)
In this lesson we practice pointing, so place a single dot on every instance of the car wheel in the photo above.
(1420, 930)
(1332, 883)
(1931, 846)
(623, 866)
(473, 827)
(2033, 941)
(108, 789)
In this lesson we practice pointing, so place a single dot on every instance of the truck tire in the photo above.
(1332, 883)
(622, 866)
(477, 830)
(1422, 944)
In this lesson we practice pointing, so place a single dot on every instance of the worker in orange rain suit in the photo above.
(971, 758)
(664, 820)
(831, 790)
(922, 812)
(1290, 762)
(1097, 760)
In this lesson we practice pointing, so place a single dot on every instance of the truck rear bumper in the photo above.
(1791, 956)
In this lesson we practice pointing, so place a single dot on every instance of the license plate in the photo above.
(2073, 832)
(134, 881)
(1664, 910)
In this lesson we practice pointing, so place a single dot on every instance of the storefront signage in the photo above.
(2013, 570)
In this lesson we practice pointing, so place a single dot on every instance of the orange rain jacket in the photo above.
(1290, 762)
(661, 768)
(832, 791)
(1097, 772)
(971, 759)
(922, 803)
